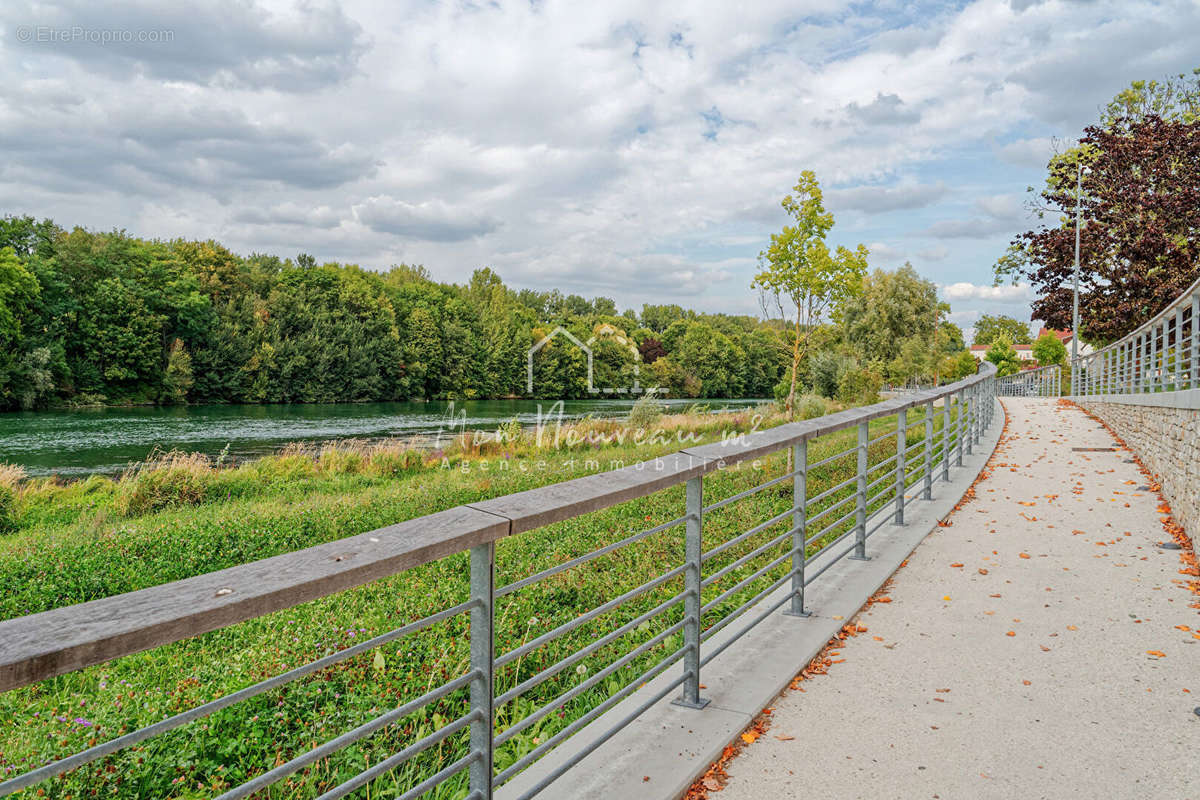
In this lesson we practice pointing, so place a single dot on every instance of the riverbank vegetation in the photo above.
(88, 540)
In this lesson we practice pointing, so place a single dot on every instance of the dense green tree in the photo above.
(1049, 349)
(989, 328)
(892, 308)
(1002, 354)
(713, 358)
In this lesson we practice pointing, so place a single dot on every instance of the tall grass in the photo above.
(308, 495)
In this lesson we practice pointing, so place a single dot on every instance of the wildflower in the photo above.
(581, 669)
(81, 721)
(533, 620)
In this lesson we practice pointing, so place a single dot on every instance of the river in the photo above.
(105, 441)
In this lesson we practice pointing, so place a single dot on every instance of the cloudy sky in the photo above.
(606, 148)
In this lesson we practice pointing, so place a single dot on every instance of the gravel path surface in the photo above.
(1041, 646)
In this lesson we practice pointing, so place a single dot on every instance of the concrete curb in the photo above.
(660, 754)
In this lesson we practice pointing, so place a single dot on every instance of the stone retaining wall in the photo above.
(1167, 439)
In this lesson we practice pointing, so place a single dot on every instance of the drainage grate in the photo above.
(1093, 449)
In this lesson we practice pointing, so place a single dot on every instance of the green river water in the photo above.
(76, 443)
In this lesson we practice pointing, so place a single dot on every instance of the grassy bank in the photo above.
(184, 516)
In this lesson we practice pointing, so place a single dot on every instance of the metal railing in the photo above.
(1040, 382)
(828, 501)
(1162, 355)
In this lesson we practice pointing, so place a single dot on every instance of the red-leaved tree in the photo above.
(1140, 239)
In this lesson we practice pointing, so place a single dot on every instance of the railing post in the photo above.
(693, 553)
(901, 458)
(1195, 362)
(860, 515)
(928, 493)
(946, 438)
(799, 527)
(1153, 358)
(483, 583)
(969, 429)
(958, 428)
(1178, 349)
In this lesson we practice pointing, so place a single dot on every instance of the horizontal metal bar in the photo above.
(889, 477)
(809, 579)
(737, 612)
(742, 584)
(741, 537)
(588, 684)
(390, 763)
(721, 573)
(832, 458)
(434, 780)
(888, 434)
(575, 726)
(579, 655)
(604, 737)
(812, 501)
(170, 723)
(348, 738)
(575, 562)
(587, 617)
(825, 531)
(750, 626)
(748, 492)
(880, 464)
(830, 508)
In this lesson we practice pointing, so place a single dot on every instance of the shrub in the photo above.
(859, 386)
(645, 412)
(163, 481)
(386, 461)
(341, 459)
(825, 371)
(8, 509)
(809, 406)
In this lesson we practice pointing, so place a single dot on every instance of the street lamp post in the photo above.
(1075, 302)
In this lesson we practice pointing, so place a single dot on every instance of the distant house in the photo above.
(1025, 351)
(1065, 337)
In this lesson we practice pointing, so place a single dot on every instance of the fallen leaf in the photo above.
(1027, 683)
(956, 565)
(1156, 653)
(1072, 628)
(946, 597)
(1011, 633)
(983, 571)
(1024, 555)
(783, 737)
(749, 737)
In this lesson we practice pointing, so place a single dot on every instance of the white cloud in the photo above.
(1033, 152)
(432, 220)
(569, 145)
(1021, 293)
(873, 199)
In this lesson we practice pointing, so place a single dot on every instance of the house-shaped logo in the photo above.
(603, 330)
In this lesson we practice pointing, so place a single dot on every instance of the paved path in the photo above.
(1013, 659)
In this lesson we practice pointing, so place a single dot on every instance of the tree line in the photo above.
(92, 317)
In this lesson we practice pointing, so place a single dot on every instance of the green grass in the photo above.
(86, 540)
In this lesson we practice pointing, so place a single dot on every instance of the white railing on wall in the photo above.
(1163, 355)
